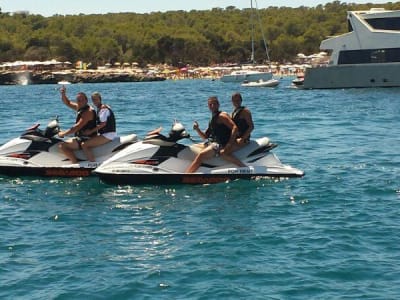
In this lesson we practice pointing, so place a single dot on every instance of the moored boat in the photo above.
(246, 75)
(298, 81)
(261, 83)
(63, 82)
(367, 56)
(251, 74)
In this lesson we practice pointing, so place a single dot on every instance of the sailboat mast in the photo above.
(262, 33)
(252, 32)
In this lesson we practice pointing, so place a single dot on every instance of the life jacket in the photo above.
(240, 122)
(89, 125)
(218, 132)
(110, 122)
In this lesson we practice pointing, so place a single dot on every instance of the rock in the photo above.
(35, 77)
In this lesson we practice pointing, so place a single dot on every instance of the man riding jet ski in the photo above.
(36, 153)
(160, 159)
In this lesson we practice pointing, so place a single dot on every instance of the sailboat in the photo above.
(246, 74)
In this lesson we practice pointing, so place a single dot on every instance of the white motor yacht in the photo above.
(367, 56)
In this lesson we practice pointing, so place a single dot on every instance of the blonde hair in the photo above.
(96, 95)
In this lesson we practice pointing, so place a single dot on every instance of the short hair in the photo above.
(83, 95)
(238, 95)
(96, 95)
(213, 99)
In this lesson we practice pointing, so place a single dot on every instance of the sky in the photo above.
(72, 7)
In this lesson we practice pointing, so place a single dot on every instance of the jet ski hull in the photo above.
(45, 171)
(195, 178)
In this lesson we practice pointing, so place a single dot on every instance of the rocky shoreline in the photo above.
(47, 77)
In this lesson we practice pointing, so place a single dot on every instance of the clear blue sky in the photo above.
(65, 7)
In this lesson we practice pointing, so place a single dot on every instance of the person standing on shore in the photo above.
(221, 133)
(106, 127)
(85, 120)
(241, 115)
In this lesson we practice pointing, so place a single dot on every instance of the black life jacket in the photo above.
(218, 132)
(110, 122)
(240, 122)
(89, 125)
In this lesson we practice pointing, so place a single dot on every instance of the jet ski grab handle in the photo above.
(33, 127)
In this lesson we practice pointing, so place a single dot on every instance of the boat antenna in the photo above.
(262, 32)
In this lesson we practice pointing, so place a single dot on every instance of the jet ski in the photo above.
(159, 159)
(36, 153)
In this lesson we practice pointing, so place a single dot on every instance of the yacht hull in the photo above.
(353, 76)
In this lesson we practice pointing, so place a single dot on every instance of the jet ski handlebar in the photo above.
(52, 129)
(176, 133)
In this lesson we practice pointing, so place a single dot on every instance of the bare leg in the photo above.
(91, 143)
(232, 158)
(68, 148)
(203, 155)
(229, 156)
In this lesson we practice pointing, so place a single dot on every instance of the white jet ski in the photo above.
(36, 153)
(162, 160)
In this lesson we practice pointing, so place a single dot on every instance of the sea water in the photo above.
(333, 234)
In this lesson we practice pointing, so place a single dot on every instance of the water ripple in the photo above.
(330, 235)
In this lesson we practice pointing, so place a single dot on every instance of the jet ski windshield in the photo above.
(52, 129)
(177, 133)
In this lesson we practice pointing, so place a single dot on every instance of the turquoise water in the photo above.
(333, 234)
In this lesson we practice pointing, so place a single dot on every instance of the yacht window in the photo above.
(378, 56)
(369, 56)
(385, 23)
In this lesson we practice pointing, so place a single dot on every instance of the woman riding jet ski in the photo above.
(161, 159)
(36, 153)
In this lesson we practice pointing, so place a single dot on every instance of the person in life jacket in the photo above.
(221, 133)
(241, 115)
(85, 120)
(105, 130)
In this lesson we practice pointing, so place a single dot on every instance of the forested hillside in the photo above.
(196, 37)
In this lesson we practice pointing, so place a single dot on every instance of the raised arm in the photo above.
(66, 101)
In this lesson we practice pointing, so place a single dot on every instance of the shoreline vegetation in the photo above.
(132, 47)
(209, 39)
(71, 76)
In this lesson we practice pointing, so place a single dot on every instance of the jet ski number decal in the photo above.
(68, 172)
(240, 171)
